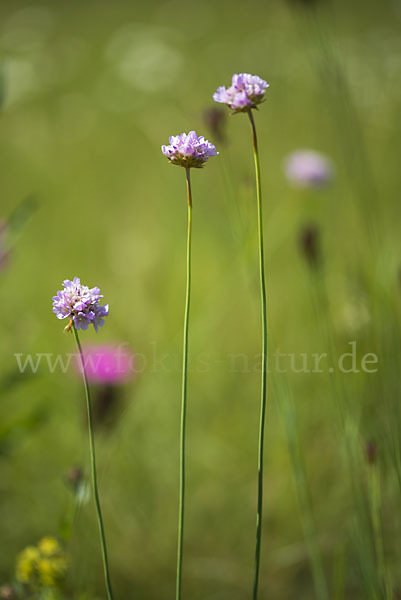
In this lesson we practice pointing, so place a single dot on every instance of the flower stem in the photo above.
(264, 358)
(184, 394)
(93, 470)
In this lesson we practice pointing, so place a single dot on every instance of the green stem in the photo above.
(259, 512)
(184, 395)
(93, 471)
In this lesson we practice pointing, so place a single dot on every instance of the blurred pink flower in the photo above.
(108, 363)
(307, 168)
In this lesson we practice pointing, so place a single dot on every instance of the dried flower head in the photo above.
(371, 452)
(307, 168)
(245, 93)
(188, 150)
(309, 244)
(80, 304)
(215, 120)
(74, 477)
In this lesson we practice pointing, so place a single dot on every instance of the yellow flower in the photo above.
(27, 563)
(49, 546)
(44, 565)
(51, 570)
(46, 572)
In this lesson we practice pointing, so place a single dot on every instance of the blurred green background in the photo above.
(89, 93)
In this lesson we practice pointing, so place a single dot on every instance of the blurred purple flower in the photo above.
(107, 363)
(306, 168)
(189, 150)
(81, 304)
(108, 366)
(246, 92)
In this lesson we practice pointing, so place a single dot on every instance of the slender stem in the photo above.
(184, 394)
(259, 512)
(93, 471)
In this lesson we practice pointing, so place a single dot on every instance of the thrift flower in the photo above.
(188, 150)
(245, 93)
(80, 304)
(306, 168)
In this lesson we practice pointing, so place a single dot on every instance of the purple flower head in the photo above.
(80, 304)
(188, 150)
(306, 168)
(246, 92)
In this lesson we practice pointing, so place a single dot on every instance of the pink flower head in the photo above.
(307, 168)
(246, 92)
(189, 150)
(107, 363)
